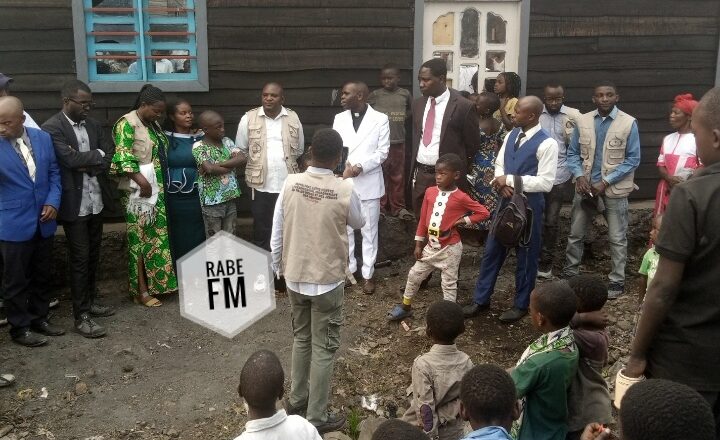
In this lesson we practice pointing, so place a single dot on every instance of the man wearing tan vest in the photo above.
(272, 138)
(310, 249)
(603, 154)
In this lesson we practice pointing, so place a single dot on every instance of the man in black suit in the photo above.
(84, 153)
(443, 122)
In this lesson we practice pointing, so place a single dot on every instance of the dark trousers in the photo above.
(551, 224)
(394, 173)
(527, 262)
(26, 275)
(83, 240)
(263, 208)
(713, 398)
(423, 181)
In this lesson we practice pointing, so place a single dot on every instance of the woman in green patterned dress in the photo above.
(139, 143)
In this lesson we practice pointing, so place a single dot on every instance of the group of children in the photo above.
(555, 392)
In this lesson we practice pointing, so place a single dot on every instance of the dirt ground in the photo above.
(159, 376)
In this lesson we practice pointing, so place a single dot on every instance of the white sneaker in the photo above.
(545, 275)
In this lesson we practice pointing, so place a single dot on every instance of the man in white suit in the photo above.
(366, 134)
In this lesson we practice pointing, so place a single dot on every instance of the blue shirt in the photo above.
(632, 151)
(489, 433)
(554, 124)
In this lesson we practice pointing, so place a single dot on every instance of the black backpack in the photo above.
(512, 225)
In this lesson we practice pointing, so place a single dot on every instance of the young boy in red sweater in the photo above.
(437, 241)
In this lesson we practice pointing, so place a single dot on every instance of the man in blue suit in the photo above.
(29, 201)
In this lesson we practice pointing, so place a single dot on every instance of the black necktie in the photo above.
(517, 141)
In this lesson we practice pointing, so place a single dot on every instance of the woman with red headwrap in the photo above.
(678, 153)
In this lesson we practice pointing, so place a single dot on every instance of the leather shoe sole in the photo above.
(473, 310)
(30, 339)
(512, 315)
(48, 329)
(101, 311)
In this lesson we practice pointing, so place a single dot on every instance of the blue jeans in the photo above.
(616, 214)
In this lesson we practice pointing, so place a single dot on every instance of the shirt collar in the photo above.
(443, 349)
(283, 112)
(444, 96)
(269, 422)
(612, 115)
(530, 133)
(316, 170)
(489, 432)
(73, 123)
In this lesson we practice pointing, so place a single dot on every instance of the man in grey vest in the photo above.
(603, 154)
(272, 138)
(310, 249)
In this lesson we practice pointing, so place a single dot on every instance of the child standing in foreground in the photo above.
(589, 398)
(436, 375)
(395, 102)
(649, 264)
(217, 184)
(444, 208)
(261, 385)
(488, 402)
(543, 374)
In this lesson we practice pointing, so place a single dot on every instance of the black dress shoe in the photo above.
(100, 311)
(512, 315)
(89, 328)
(334, 423)
(29, 339)
(294, 410)
(472, 310)
(47, 329)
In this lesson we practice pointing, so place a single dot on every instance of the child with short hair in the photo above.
(650, 260)
(488, 402)
(659, 409)
(395, 102)
(543, 374)
(396, 429)
(217, 183)
(436, 375)
(444, 207)
(589, 398)
(261, 385)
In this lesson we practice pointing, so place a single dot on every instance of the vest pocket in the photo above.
(615, 148)
(253, 173)
(584, 143)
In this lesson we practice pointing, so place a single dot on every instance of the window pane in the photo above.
(113, 8)
(469, 33)
(114, 62)
(172, 33)
(495, 29)
(170, 61)
(468, 72)
(114, 33)
(495, 61)
(447, 55)
(489, 84)
(443, 33)
(167, 8)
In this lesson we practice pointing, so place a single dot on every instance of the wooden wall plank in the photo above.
(228, 80)
(620, 8)
(254, 17)
(549, 26)
(629, 94)
(35, 18)
(37, 3)
(51, 62)
(310, 3)
(620, 73)
(290, 60)
(682, 61)
(610, 44)
(50, 39)
(287, 38)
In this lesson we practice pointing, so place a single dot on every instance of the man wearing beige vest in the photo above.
(272, 138)
(310, 249)
(603, 154)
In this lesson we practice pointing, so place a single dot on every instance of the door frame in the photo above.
(522, 54)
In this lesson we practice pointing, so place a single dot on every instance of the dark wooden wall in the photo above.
(310, 46)
(651, 49)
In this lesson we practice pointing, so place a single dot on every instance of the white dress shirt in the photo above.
(280, 427)
(276, 167)
(547, 154)
(428, 155)
(29, 121)
(355, 220)
(91, 201)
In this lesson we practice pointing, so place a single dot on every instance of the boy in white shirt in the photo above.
(261, 385)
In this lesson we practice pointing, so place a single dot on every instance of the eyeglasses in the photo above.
(560, 99)
(84, 104)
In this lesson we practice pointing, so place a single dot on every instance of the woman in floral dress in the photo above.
(139, 143)
(482, 169)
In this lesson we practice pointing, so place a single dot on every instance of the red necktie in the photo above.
(429, 124)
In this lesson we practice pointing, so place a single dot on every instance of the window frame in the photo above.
(201, 84)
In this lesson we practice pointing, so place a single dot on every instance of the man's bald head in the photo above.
(11, 117)
(354, 95)
(527, 112)
(209, 117)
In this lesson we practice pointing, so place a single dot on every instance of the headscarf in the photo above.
(685, 103)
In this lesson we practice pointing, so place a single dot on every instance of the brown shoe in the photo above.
(369, 287)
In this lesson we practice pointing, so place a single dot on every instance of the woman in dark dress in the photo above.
(482, 169)
(185, 221)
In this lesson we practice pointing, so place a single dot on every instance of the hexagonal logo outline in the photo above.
(262, 283)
